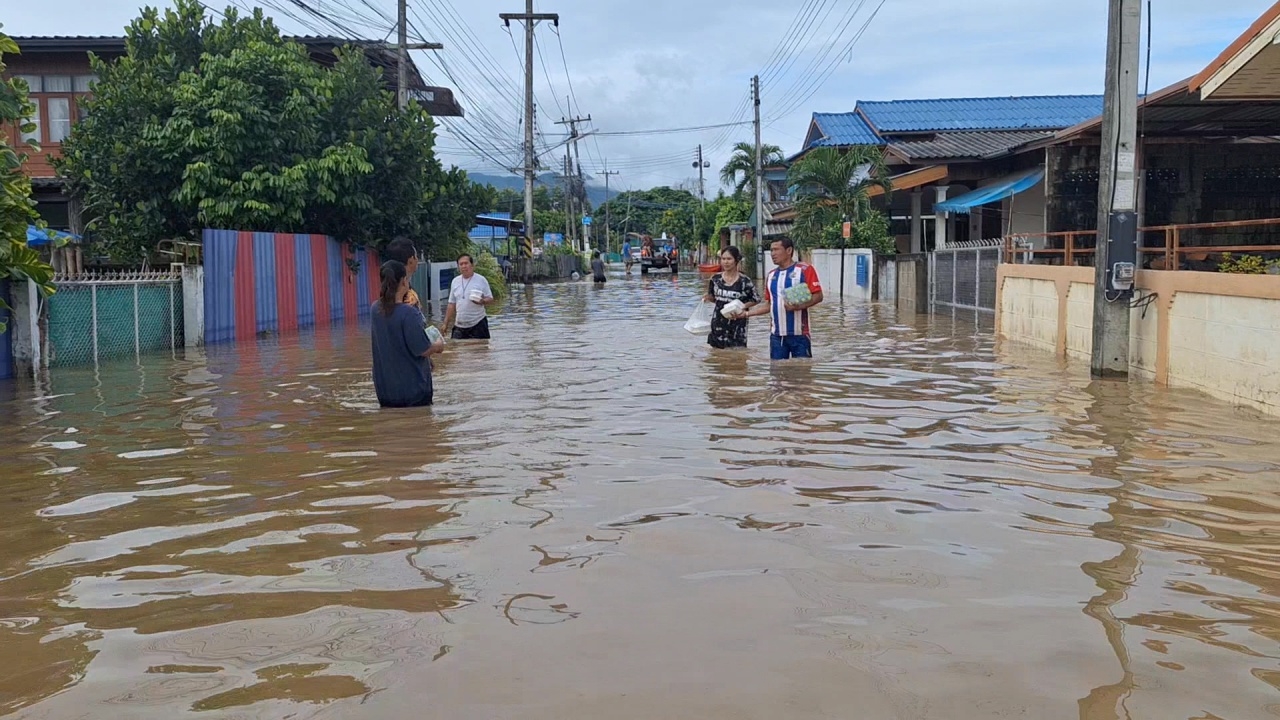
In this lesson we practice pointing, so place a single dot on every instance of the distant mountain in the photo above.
(595, 193)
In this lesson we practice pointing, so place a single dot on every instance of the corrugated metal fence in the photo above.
(279, 282)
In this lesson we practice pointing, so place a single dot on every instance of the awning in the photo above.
(913, 179)
(1007, 186)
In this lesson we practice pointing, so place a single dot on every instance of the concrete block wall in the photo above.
(1214, 332)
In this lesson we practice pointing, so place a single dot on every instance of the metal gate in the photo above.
(964, 276)
(94, 318)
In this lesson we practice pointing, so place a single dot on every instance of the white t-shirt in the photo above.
(468, 313)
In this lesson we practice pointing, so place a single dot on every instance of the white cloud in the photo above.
(676, 63)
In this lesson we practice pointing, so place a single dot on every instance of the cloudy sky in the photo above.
(669, 64)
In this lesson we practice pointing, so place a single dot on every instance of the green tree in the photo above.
(205, 124)
(831, 187)
(677, 223)
(740, 172)
(641, 211)
(17, 209)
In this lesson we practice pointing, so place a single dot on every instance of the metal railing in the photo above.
(1170, 246)
(964, 275)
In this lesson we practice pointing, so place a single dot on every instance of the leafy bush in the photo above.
(872, 232)
(1244, 265)
(487, 266)
(17, 209)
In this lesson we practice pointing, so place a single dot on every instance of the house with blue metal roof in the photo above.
(956, 157)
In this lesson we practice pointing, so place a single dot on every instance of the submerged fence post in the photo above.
(93, 302)
(137, 326)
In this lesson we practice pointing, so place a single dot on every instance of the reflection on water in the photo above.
(604, 518)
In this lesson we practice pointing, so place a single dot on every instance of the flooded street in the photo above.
(602, 518)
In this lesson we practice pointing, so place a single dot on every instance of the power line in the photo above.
(572, 93)
(542, 59)
(670, 131)
(822, 77)
(791, 61)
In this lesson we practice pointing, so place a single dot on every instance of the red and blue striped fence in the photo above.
(279, 283)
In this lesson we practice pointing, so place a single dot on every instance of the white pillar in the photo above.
(192, 305)
(917, 225)
(33, 318)
(940, 219)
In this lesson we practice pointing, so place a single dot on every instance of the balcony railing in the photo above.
(1167, 242)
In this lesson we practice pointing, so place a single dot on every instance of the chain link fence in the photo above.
(964, 275)
(97, 318)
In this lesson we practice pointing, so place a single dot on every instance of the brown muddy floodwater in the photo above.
(602, 519)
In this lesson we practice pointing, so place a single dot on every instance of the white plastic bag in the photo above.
(700, 321)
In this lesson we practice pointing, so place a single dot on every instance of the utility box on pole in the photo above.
(1116, 255)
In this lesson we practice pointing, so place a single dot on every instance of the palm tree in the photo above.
(743, 163)
(831, 186)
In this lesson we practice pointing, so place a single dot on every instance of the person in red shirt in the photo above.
(789, 330)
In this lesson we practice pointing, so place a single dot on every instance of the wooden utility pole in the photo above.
(702, 184)
(402, 52)
(759, 167)
(607, 172)
(1115, 259)
(530, 20)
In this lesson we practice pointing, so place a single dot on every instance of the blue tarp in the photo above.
(37, 237)
(1005, 187)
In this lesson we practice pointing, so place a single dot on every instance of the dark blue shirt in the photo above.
(401, 374)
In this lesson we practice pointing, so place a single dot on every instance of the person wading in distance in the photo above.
(469, 295)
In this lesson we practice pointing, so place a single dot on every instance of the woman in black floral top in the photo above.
(727, 286)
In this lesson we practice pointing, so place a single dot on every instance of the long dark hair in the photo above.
(393, 272)
(735, 253)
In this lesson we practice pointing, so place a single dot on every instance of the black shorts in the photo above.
(479, 331)
(598, 278)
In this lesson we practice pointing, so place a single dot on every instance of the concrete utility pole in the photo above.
(578, 191)
(1115, 259)
(568, 200)
(702, 184)
(759, 189)
(530, 20)
(607, 239)
(402, 51)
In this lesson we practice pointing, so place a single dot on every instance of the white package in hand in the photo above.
(700, 321)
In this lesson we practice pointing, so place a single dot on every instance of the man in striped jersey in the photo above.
(789, 328)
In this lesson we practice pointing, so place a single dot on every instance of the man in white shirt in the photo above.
(469, 295)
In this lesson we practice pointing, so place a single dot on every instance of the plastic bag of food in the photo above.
(700, 321)
(798, 294)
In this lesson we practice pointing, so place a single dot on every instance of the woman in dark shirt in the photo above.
(727, 286)
(401, 370)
